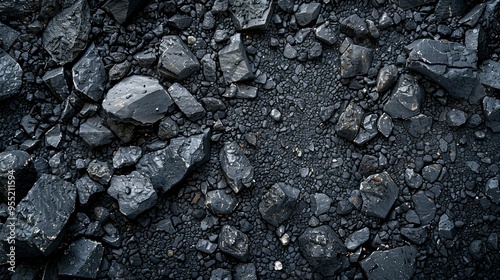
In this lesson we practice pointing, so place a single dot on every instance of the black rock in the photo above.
(234, 62)
(413, 179)
(489, 73)
(418, 125)
(168, 129)
(431, 172)
(385, 21)
(251, 14)
(186, 102)
(245, 271)
(409, 4)
(100, 171)
(236, 167)
(477, 39)
(17, 174)
(53, 136)
(385, 125)
(213, 104)
(120, 70)
(206, 246)
(446, 227)
(241, 91)
(491, 111)
(290, 52)
(323, 250)
(138, 99)
(165, 225)
(355, 60)
(449, 64)
(455, 118)
(220, 274)
(220, 203)
(67, 33)
(325, 34)
(450, 8)
(94, 133)
(415, 235)
(234, 242)
(406, 99)
(278, 203)
(477, 249)
(122, 10)
(379, 192)
(387, 76)
(357, 238)
(425, 207)
(473, 16)
(350, 122)
(397, 263)
(86, 187)
(11, 76)
(126, 156)
(168, 166)
(220, 6)
(368, 165)
(89, 75)
(82, 259)
(307, 13)
(492, 189)
(42, 216)
(320, 203)
(7, 36)
(209, 68)
(14, 10)
(354, 26)
(57, 80)
(368, 131)
(176, 62)
(134, 192)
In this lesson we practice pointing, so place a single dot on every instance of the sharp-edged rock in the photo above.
(126, 156)
(397, 263)
(350, 122)
(446, 227)
(100, 171)
(176, 62)
(354, 26)
(355, 60)
(53, 136)
(425, 207)
(57, 80)
(473, 16)
(446, 9)
(278, 203)
(86, 187)
(415, 235)
(387, 76)
(418, 125)
(186, 102)
(325, 34)
(236, 167)
(8, 36)
(491, 111)
(406, 99)
(251, 14)
(220, 203)
(234, 242)
(488, 74)
(82, 259)
(385, 125)
(234, 62)
(11, 76)
(357, 238)
(307, 13)
(89, 75)
(240, 91)
(492, 189)
(16, 172)
(245, 271)
(379, 192)
(122, 10)
(320, 203)
(94, 133)
(477, 39)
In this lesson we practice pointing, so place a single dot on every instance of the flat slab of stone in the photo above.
(186, 102)
(89, 75)
(82, 259)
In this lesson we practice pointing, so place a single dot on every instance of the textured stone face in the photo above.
(176, 62)
(379, 192)
(10, 76)
(278, 203)
(236, 167)
(233, 61)
(251, 14)
(355, 60)
(406, 98)
(234, 242)
(83, 259)
(89, 75)
(122, 10)
(397, 263)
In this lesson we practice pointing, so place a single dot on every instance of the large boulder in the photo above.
(89, 75)
(397, 263)
(379, 192)
(234, 62)
(82, 259)
(176, 62)
(236, 167)
(11, 76)
(406, 99)
(251, 14)
(138, 99)
(278, 203)
(67, 33)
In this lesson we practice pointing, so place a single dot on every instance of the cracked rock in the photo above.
(397, 263)
(406, 99)
(126, 156)
(11, 76)
(19, 166)
(86, 187)
(236, 167)
(307, 13)
(234, 62)
(186, 102)
(354, 26)
(355, 60)
(122, 10)
(278, 203)
(57, 80)
(251, 14)
(176, 62)
(134, 192)
(82, 259)
(379, 192)
(94, 133)
(220, 203)
(350, 122)
(234, 242)
(89, 75)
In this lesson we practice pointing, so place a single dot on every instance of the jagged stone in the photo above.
(473, 16)
(11, 76)
(94, 133)
(387, 76)
(236, 167)
(349, 122)
(492, 189)
(397, 263)
(450, 8)
(354, 26)
(491, 111)
(53, 136)
(325, 34)
(186, 102)
(446, 227)
(234, 62)
(220, 203)
(234, 242)
(379, 192)
(86, 187)
(278, 203)
(122, 10)
(16, 167)
(418, 125)
(209, 68)
(57, 80)
(176, 62)
(126, 156)
(7, 36)
(477, 39)
(307, 13)
(425, 207)
(357, 238)
(406, 99)
(385, 125)
(251, 14)
(355, 60)
(320, 203)
(82, 259)
(489, 73)
(415, 235)
(100, 171)
(89, 75)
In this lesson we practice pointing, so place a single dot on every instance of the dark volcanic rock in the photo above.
(89, 75)
(307, 13)
(323, 249)
(42, 216)
(355, 60)
(387, 75)
(234, 242)
(379, 192)
(354, 26)
(236, 167)
(397, 263)
(186, 102)
(7, 36)
(220, 203)
(57, 80)
(492, 189)
(94, 133)
(67, 33)
(477, 39)
(446, 227)
(413, 179)
(489, 73)
(122, 10)
(408, 4)
(168, 166)
(138, 99)
(100, 171)
(357, 239)
(126, 156)
(82, 259)
(251, 14)
(17, 9)
(86, 187)
(415, 235)
(455, 118)
(240, 91)
(221, 274)
(419, 125)
(134, 192)
(233, 61)
(450, 8)
(431, 172)
(491, 111)
(206, 246)
(11, 76)
(449, 64)
(278, 203)
(320, 203)
(349, 122)
(53, 136)
(245, 271)
(406, 99)
(176, 62)
(385, 125)
(473, 16)
(425, 207)
(16, 167)
(325, 34)
(168, 129)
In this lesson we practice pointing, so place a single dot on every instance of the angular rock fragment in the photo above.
(16, 166)
(413, 179)
(234, 62)
(477, 249)
(278, 203)
(236, 167)
(120, 70)
(53, 136)
(492, 189)
(409, 4)
(11, 76)
(206, 246)
(325, 34)
(67, 33)
(455, 118)
(387, 76)
(385, 125)
(94, 133)
(320, 203)
(209, 68)
(57, 80)
(241, 91)
(234, 242)
(415, 235)
(82, 259)
(122, 10)
(357, 238)
(138, 99)
(449, 64)
(87, 187)
(7, 36)
(168, 129)
(134, 192)
(446, 227)
(406, 98)
(180, 21)
(213, 104)
(168, 166)
(186, 102)
(307, 13)
(354, 26)
(349, 122)
(18, 9)
(425, 207)
(397, 263)
(489, 73)
(419, 125)
(431, 172)
(368, 131)
(368, 165)
(355, 60)
(491, 111)
(220, 274)
(245, 271)
(379, 192)
(89, 75)
(323, 249)
(42, 216)
(473, 16)
(251, 14)
(126, 156)
(290, 52)
(100, 171)
(220, 203)
(176, 62)
(477, 39)
(450, 8)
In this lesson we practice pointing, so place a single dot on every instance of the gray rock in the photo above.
(94, 133)
(220, 6)
(16, 166)
(7, 36)
(406, 98)
(176, 62)
(126, 156)
(209, 68)
(186, 102)
(53, 136)
(456, 118)
(290, 52)
(325, 34)
(57, 80)
(357, 238)
(206, 246)
(134, 192)
(236, 167)
(234, 62)
(18, 9)
(354, 26)
(168, 129)
(251, 14)
(489, 73)
(355, 60)
(397, 263)
(245, 271)
(180, 21)
(449, 64)
(368, 131)
(89, 75)
(415, 235)
(234, 242)
(307, 13)
(473, 16)
(275, 115)
(82, 259)
(413, 179)
(86, 187)
(431, 172)
(409, 4)
(221, 274)
(213, 104)
(385, 125)
(477, 39)
(278, 203)
(446, 227)
(369, 165)
(425, 207)
(220, 203)
(323, 250)
(119, 70)
(122, 10)
(350, 122)
(492, 189)
(100, 171)
(320, 203)
(138, 99)
(419, 125)
(165, 225)
(66, 35)
(491, 111)
(11, 76)
(240, 91)
(450, 8)
(379, 192)
(168, 166)
(42, 216)
(477, 249)
(386, 77)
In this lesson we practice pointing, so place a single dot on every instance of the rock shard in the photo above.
(176, 62)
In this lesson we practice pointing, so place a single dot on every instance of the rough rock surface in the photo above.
(307, 13)
(355, 60)
(186, 102)
(10, 76)
(234, 242)
(57, 80)
(488, 74)
(251, 14)
(176, 62)
(122, 10)
(236, 167)
(379, 192)
(491, 110)
(89, 75)
(220, 203)
(94, 133)
(350, 122)
(278, 203)
(397, 263)
(406, 99)
(82, 259)
(18, 165)
(234, 62)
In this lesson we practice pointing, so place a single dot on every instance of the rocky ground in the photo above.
(231, 139)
